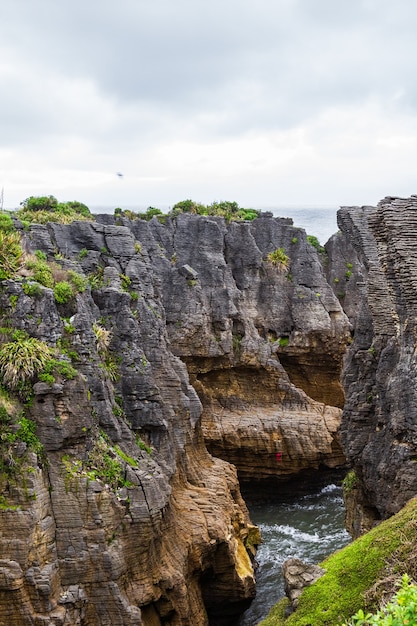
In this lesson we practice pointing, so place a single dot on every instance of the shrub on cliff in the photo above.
(43, 209)
(279, 258)
(231, 211)
(22, 358)
(6, 222)
(63, 292)
(11, 254)
(313, 241)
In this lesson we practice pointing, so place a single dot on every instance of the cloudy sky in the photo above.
(265, 102)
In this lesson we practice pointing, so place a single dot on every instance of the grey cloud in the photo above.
(218, 68)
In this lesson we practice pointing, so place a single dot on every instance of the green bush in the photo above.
(40, 255)
(41, 271)
(6, 223)
(32, 289)
(227, 209)
(11, 254)
(279, 258)
(313, 241)
(27, 433)
(43, 209)
(39, 203)
(104, 462)
(78, 281)
(63, 292)
(21, 359)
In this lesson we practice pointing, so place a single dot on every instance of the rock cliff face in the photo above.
(263, 343)
(187, 338)
(378, 428)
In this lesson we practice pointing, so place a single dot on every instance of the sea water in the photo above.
(309, 527)
(321, 222)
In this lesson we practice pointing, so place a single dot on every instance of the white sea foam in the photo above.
(309, 529)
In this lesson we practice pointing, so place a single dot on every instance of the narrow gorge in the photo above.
(195, 358)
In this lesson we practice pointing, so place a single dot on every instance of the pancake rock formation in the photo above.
(378, 429)
(188, 346)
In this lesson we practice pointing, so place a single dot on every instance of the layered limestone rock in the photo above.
(125, 518)
(263, 343)
(187, 336)
(378, 429)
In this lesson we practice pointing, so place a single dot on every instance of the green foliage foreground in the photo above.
(401, 610)
(387, 552)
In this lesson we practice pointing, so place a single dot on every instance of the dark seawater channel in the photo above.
(309, 527)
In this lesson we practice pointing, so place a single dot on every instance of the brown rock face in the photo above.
(378, 429)
(263, 425)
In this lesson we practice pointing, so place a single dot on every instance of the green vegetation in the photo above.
(40, 255)
(14, 428)
(110, 362)
(11, 254)
(78, 281)
(279, 258)
(43, 209)
(142, 445)
(236, 342)
(96, 279)
(350, 584)
(401, 610)
(64, 283)
(103, 338)
(105, 462)
(283, 341)
(24, 358)
(125, 282)
(63, 292)
(349, 272)
(41, 271)
(6, 223)
(349, 482)
(110, 366)
(231, 211)
(312, 240)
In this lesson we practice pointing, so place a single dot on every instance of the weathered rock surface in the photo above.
(172, 543)
(297, 576)
(263, 344)
(207, 339)
(378, 430)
